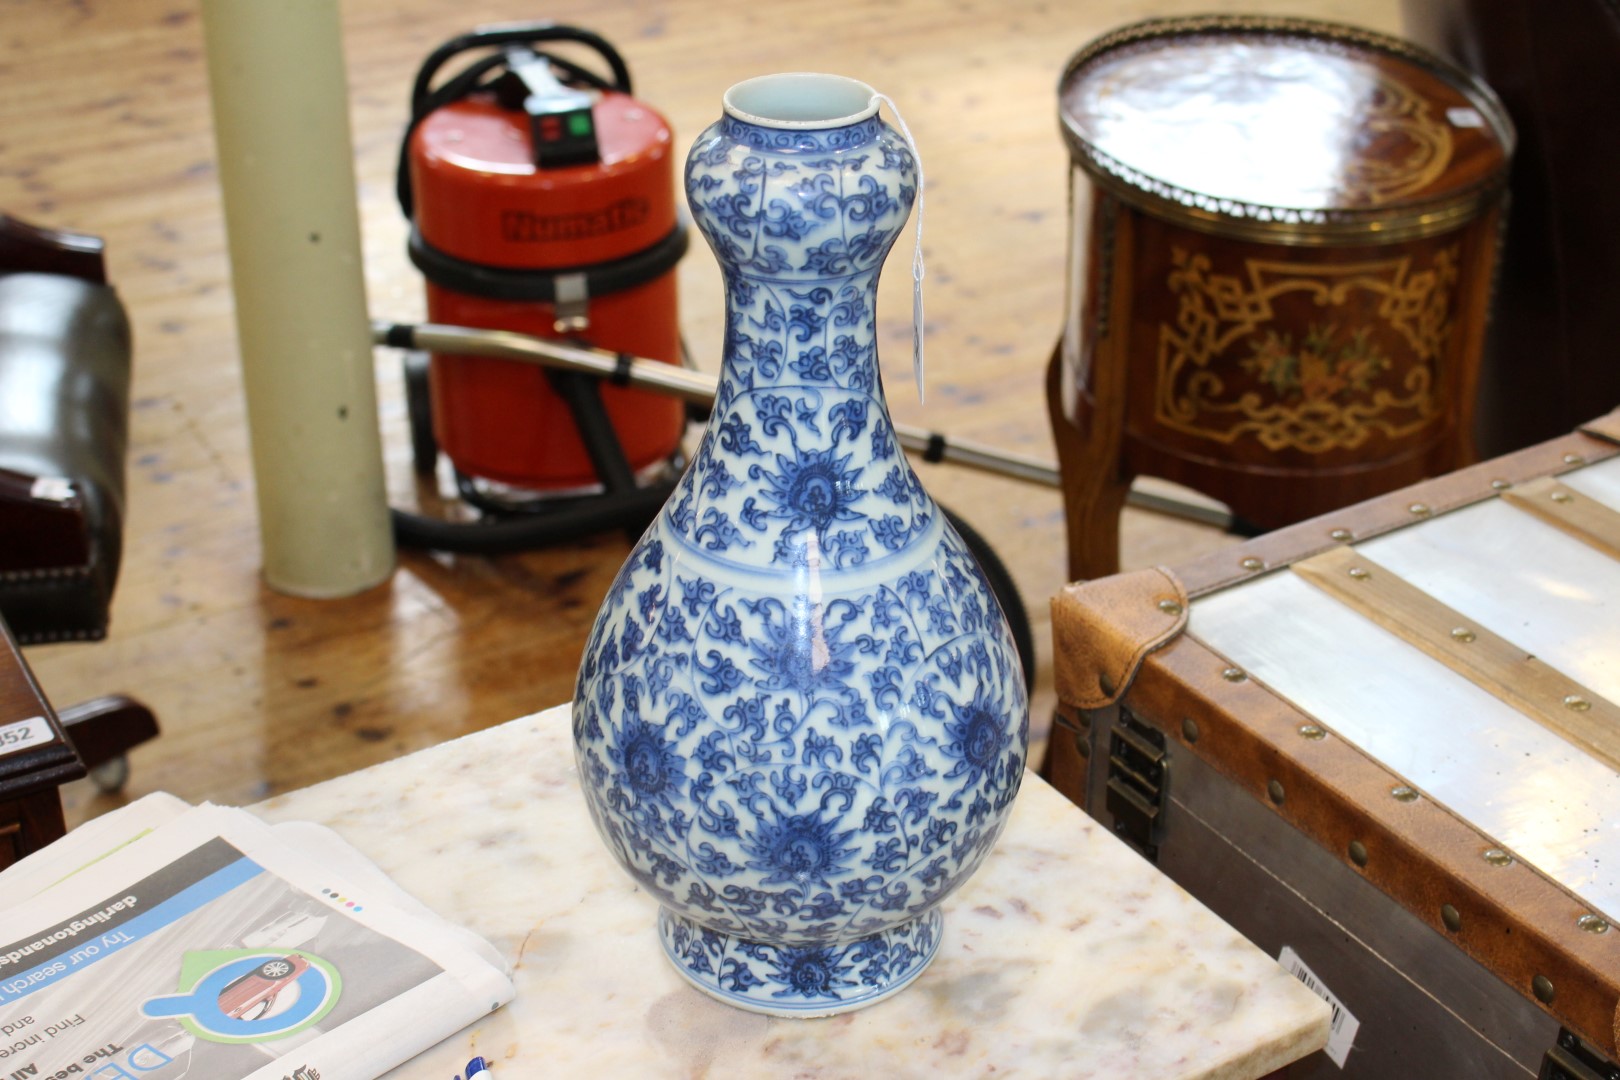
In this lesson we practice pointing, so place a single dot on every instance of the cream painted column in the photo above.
(286, 166)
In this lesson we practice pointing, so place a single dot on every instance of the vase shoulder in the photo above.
(801, 479)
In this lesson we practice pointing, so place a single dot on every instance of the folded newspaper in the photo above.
(165, 940)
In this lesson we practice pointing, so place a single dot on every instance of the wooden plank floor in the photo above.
(104, 127)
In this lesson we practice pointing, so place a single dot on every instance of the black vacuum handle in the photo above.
(535, 33)
(425, 98)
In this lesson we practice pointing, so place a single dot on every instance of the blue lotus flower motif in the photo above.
(977, 735)
(649, 770)
(813, 490)
(798, 849)
(801, 651)
(816, 972)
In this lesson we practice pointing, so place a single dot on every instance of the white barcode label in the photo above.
(51, 489)
(1465, 118)
(24, 735)
(1344, 1026)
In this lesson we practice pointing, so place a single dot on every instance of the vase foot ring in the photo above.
(800, 981)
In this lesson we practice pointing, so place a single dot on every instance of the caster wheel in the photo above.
(111, 776)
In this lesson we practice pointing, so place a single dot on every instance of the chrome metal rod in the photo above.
(699, 388)
(694, 386)
(1162, 498)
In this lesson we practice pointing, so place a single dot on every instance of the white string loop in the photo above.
(916, 251)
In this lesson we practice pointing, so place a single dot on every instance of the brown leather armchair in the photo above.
(64, 414)
(64, 409)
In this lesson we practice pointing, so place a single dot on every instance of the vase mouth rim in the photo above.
(801, 101)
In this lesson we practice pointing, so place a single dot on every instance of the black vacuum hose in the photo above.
(507, 536)
(1001, 583)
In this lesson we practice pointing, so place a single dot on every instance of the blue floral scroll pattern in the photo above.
(800, 718)
(800, 771)
(764, 138)
(790, 979)
(801, 233)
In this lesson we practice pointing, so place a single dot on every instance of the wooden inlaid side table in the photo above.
(1284, 235)
(1065, 956)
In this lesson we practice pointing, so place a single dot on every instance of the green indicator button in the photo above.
(579, 123)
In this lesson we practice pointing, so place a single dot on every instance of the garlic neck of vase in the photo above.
(796, 336)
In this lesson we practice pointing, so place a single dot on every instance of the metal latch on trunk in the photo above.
(1138, 769)
(1572, 1058)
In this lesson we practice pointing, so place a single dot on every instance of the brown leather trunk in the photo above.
(1459, 954)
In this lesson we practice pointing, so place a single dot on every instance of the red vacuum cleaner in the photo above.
(541, 195)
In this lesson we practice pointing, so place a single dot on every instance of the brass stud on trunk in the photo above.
(1463, 634)
(1543, 988)
(1593, 924)
(1419, 509)
(1275, 790)
(1403, 793)
(1251, 564)
(1451, 917)
(1170, 607)
(1189, 729)
(1343, 536)
(1234, 674)
(1358, 853)
(1311, 731)
(1497, 857)
(1562, 497)
(1574, 459)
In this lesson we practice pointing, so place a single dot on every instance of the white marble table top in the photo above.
(1067, 955)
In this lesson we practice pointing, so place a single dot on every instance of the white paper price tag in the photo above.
(1344, 1026)
(24, 735)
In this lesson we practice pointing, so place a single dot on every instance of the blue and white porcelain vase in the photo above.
(800, 720)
